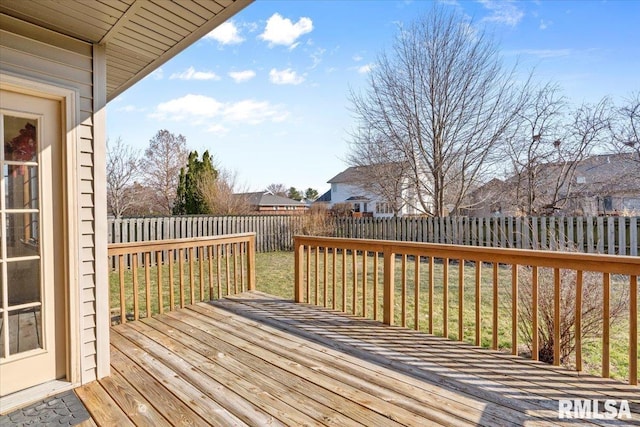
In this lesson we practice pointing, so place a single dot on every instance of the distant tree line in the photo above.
(168, 179)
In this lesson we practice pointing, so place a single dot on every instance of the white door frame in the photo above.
(69, 99)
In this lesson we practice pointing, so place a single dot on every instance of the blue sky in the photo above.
(267, 92)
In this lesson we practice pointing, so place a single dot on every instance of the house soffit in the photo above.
(139, 35)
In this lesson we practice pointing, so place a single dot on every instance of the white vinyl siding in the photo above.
(46, 56)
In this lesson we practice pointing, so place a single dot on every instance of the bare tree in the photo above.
(547, 145)
(278, 189)
(223, 195)
(440, 102)
(626, 127)
(164, 157)
(123, 168)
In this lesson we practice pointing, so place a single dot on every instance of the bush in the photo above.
(592, 300)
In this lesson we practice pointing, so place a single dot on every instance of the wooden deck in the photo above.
(259, 360)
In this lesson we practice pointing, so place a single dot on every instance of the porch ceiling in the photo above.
(140, 35)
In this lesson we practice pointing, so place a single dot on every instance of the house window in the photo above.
(608, 203)
(334, 188)
(383, 208)
(356, 207)
(365, 208)
(581, 180)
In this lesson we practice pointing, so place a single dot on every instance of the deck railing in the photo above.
(346, 274)
(162, 275)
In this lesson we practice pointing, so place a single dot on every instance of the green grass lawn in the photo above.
(275, 276)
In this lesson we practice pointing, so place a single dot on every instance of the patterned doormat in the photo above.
(64, 409)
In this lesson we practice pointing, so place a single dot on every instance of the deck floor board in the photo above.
(255, 359)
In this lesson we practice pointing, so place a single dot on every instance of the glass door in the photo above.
(32, 319)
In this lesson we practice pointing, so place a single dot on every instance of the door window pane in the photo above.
(21, 187)
(25, 330)
(22, 234)
(20, 139)
(24, 282)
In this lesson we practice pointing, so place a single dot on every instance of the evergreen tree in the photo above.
(294, 194)
(189, 199)
(311, 194)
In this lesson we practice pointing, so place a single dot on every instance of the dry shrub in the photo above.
(592, 300)
(317, 221)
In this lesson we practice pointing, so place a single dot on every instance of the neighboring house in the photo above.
(606, 184)
(60, 63)
(266, 203)
(358, 186)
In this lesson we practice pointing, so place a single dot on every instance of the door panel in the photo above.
(32, 321)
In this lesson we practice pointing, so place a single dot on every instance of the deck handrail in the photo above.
(232, 257)
(306, 246)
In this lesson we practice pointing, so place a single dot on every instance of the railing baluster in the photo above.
(431, 288)
(514, 309)
(134, 273)
(388, 286)
(556, 316)
(633, 330)
(234, 252)
(309, 274)
(299, 268)
(192, 279)
(159, 277)
(201, 271)
(326, 277)
(364, 283)
(606, 284)
(534, 313)
(172, 298)
(375, 285)
(219, 268)
(344, 281)
(354, 270)
(210, 268)
(227, 268)
(416, 293)
(316, 270)
(147, 281)
(403, 292)
(241, 255)
(461, 301)
(123, 307)
(494, 337)
(181, 271)
(445, 297)
(478, 313)
(578, 324)
(333, 278)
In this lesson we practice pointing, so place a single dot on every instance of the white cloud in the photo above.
(191, 74)
(242, 76)
(285, 77)
(502, 12)
(357, 58)
(364, 69)
(204, 110)
(226, 33)
(541, 53)
(316, 56)
(157, 74)
(282, 31)
(130, 109)
(545, 24)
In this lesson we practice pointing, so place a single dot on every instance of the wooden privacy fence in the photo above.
(273, 233)
(346, 274)
(176, 272)
(610, 235)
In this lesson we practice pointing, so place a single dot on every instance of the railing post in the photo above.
(388, 285)
(251, 263)
(299, 269)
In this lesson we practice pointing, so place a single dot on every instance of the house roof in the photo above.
(138, 35)
(261, 198)
(356, 174)
(326, 197)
